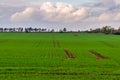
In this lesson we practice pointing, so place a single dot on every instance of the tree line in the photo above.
(105, 30)
(30, 29)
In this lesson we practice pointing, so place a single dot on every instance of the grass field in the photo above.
(59, 56)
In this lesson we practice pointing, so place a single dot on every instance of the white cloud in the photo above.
(117, 17)
(64, 12)
(117, 1)
(24, 15)
(105, 17)
(55, 12)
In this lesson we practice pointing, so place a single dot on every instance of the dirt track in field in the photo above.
(56, 44)
(69, 54)
(76, 35)
(97, 55)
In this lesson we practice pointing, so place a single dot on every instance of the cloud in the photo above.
(117, 17)
(100, 4)
(24, 15)
(103, 11)
(105, 17)
(61, 12)
(106, 3)
(18, 3)
(53, 12)
(117, 1)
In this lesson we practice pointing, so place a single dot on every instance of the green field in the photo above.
(59, 56)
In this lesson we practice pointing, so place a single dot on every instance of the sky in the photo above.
(57, 14)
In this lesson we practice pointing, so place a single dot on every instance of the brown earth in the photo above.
(75, 35)
(69, 54)
(97, 55)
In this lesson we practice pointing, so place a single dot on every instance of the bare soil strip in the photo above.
(56, 44)
(69, 54)
(97, 55)
(76, 35)
(107, 44)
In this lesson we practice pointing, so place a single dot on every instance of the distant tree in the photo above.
(64, 30)
(91, 29)
(106, 29)
(119, 29)
(30, 29)
(5, 29)
(36, 30)
(60, 31)
(48, 30)
(52, 30)
(97, 30)
(26, 30)
(39, 29)
(116, 32)
(112, 30)
(1, 29)
(20, 29)
(79, 31)
(44, 29)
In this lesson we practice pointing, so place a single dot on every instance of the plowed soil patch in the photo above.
(97, 55)
(69, 54)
